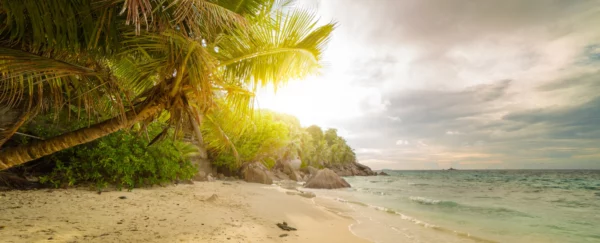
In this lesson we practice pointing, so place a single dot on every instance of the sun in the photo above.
(312, 101)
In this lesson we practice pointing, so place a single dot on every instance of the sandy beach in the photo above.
(233, 211)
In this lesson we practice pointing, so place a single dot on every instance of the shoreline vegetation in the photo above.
(139, 94)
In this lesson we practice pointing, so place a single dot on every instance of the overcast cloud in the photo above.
(467, 84)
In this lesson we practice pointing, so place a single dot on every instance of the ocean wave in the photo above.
(417, 184)
(418, 222)
(403, 216)
(428, 201)
(570, 203)
(451, 205)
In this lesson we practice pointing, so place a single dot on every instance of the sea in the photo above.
(526, 206)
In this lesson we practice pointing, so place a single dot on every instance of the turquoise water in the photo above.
(476, 206)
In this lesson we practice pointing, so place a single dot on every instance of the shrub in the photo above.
(124, 160)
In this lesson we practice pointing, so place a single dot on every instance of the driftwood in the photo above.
(10, 181)
(284, 226)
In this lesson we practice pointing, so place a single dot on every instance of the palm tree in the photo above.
(128, 61)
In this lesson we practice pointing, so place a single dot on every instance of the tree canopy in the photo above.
(120, 63)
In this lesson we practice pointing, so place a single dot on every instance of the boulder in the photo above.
(200, 176)
(326, 179)
(288, 169)
(311, 170)
(279, 175)
(295, 163)
(382, 173)
(256, 172)
(302, 194)
(288, 184)
(351, 169)
(307, 194)
(365, 169)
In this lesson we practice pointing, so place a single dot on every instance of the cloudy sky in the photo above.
(426, 84)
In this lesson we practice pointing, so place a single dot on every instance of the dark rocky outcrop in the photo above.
(326, 179)
(256, 172)
(351, 169)
(382, 173)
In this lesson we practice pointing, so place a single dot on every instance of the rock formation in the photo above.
(351, 169)
(326, 179)
(256, 172)
(284, 167)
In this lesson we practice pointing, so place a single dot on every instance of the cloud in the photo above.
(479, 125)
(471, 84)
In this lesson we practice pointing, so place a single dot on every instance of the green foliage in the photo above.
(268, 137)
(124, 160)
(135, 59)
(264, 139)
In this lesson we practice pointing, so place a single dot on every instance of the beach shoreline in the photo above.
(220, 211)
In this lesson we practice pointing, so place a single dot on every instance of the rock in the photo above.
(295, 163)
(364, 168)
(220, 176)
(312, 170)
(382, 173)
(212, 198)
(210, 178)
(351, 169)
(32, 178)
(283, 235)
(257, 173)
(122, 197)
(326, 179)
(288, 184)
(188, 182)
(288, 169)
(200, 176)
(280, 175)
(284, 226)
(307, 194)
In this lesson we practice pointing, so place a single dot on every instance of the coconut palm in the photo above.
(125, 62)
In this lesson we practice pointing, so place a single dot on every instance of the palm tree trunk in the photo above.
(198, 134)
(18, 155)
(8, 133)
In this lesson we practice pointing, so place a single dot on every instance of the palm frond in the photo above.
(287, 47)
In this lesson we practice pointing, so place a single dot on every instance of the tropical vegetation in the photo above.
(118, 84)
(120, 63)
(269, 137)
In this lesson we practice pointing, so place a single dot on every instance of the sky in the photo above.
(427, 84)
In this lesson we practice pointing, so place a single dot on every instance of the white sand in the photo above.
(242, 212)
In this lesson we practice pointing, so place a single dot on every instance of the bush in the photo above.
(124, 160)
